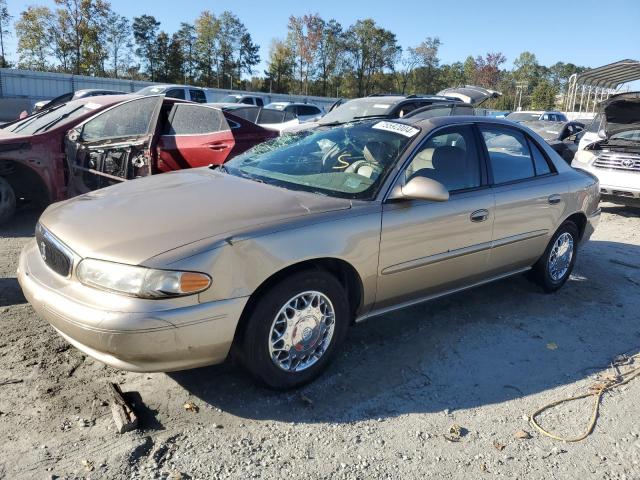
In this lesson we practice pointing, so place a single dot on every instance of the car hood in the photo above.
(621, 113)
(139, 219)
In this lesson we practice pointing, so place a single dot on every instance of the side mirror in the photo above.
(420, 188)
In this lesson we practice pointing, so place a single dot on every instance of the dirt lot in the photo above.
(483, 360)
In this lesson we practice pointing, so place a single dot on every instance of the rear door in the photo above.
(247, 134)
(112, 146)
(193, 136)
(530, 197)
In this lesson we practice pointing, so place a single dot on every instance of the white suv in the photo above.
(305, 112)
(614, 156)
(184, 92)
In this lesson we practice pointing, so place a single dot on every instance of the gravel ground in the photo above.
(482, 359)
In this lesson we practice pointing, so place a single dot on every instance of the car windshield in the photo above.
(41, 122)
(350, 161)
(359, 108)
(276, 106)
(547, 130)
(627, 136)
(523, 116)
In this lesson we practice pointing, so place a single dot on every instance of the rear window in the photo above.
(198, 96)
(308, 110)
(194, 120)
(176, 93)
(508, 154)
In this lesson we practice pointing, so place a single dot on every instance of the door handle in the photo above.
(554, 199)
(480, 215)
(218, 146)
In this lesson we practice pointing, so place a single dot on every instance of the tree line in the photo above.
(316, 56)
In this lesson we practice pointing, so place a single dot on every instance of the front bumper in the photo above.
(615, 185)
(133, 334)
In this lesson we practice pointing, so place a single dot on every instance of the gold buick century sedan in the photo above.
(274, 255)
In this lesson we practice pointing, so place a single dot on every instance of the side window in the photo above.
(247, 101)
(406, 108)
(308, 110)
(539, 159)
(259, 102)
(175, 93)
(128, 119)
(450, 157)
(291, 109)
(187, 119)
(198, 96)
(508, 154)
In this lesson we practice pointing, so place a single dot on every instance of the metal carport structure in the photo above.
(598, 84)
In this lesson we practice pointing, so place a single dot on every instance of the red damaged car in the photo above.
(91, 143)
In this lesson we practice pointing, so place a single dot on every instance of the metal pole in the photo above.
(581, 98)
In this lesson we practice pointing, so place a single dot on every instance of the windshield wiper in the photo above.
(28, 121)
(47, 126)
(370, 116)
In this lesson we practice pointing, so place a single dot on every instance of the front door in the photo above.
(112, 146)
(431, 247)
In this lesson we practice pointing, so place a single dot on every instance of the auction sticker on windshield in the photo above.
(406, 130)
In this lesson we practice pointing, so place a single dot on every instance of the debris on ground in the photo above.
(498, 446)
(456, 432)
(124, 417)
(522, 435)
(191, 407)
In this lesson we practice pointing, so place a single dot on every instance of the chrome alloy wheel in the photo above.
(301, 332)
(560, 256)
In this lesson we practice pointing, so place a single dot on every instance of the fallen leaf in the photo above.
(88, 465)
(191, 407)
(456, 432)
(498, 446)
(552, 346)
(522, 435)
(483, 467)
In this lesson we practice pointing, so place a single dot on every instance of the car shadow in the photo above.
(486, 345)
(622, 210)
(10, 292)
(22, 225)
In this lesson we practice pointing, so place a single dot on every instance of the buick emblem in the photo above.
(628, 163)
(43, 251)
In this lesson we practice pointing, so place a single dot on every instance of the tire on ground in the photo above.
(255, 353)
(7, 201)
(540, 272)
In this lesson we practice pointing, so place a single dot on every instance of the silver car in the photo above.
(276, 254)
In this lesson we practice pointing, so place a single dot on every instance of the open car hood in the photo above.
(621, 112)
(470, 94)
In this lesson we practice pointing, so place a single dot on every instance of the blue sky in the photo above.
(573, 31)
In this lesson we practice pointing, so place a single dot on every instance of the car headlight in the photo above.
(140, 281)
(584, 156)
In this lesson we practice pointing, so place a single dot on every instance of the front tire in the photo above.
(553, 269)
(295, 329)
(7, 201)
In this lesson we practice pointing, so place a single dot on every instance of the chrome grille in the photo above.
(618, 161)
(54, 254)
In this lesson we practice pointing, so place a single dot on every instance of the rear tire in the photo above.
(308, 312)
(7, 201)
(553, 269)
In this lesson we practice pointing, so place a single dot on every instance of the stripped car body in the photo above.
(154, 134)
(320, 229)
(615, 157)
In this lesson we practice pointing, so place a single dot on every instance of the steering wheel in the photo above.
(358, 165)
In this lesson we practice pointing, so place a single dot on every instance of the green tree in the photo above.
(118, 40)
(330, 49)
(207, 29)
(5, 22)
(428, 61)
(186, 37)
(304, 36)
(280, 67)
(248, 55)
(370, 50)
(34, 39)
(145, 34)
(543, 96)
